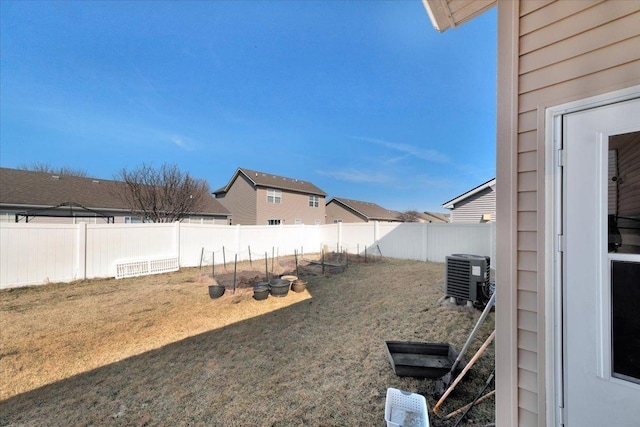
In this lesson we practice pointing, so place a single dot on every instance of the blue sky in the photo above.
(363, 98)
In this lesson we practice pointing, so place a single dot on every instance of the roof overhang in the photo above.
(452, 203)
(279, 186)
(346, 206)
(28, 206)
(445, 14)
(233, 178)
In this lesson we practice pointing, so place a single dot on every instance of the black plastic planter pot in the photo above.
(216, 291)
(261, 291)
(279, 287)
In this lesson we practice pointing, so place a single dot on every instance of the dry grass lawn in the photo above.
(158, 351)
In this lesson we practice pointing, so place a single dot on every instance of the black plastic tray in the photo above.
(421, 360)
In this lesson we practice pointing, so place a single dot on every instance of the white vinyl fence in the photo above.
(35, 253)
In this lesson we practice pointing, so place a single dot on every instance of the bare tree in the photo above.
(409, 216)
(163, 194)
(47, 168)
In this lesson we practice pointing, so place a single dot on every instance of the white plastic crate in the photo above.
(405, 409)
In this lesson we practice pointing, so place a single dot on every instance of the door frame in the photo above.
(553, 184)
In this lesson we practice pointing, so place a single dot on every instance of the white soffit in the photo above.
(446, 14)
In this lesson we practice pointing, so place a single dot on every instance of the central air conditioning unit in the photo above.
(467, 278)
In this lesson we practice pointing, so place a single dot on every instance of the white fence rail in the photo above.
(146, 266)
(32, 254)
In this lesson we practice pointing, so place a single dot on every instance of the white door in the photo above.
(601, 266)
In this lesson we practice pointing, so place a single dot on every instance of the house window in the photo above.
(4, 217)
(337, 221)
(314, 201)
(132, 220)
(317, 222)
(274, 196)
(274, 221)
(298, 221)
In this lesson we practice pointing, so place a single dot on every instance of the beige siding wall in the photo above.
(472, 209)
(560, 51)
(293, 206)
(241, 201)
(336, 211)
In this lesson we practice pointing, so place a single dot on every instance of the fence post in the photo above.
(376, 231)
(346, 259)
(177, 245)
(238, 231)
(425, 241)
(82, 251)
(235, 269)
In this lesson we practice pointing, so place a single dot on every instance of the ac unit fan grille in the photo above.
(458, 278)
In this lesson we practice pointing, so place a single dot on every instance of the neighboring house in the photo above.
(477, 205)
(346, 210)
(566, 312)
(256, 198)
(28, 196)
(434, 217)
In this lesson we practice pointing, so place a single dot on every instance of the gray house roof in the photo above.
(434, 216)
(40, 189)
(451, 203)
(33, 190)
(267, 180)
(369, 211)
